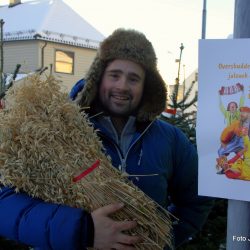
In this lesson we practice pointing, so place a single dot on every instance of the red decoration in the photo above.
(86, 172)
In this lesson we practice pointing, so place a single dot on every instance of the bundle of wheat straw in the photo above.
(46, 142)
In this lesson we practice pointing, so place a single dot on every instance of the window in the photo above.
(64, 62)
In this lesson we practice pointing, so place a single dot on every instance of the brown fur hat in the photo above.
(129, 45)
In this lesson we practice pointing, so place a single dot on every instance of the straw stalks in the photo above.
(46, 142)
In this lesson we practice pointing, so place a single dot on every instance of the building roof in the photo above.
(51, 20)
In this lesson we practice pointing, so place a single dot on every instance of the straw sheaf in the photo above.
(128, 45)
(46, 142)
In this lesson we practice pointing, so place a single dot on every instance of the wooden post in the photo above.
(238, 219)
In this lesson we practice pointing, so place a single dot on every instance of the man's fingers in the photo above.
(119, 246)
(109, 232)
(109, 209)
(125, 225)
(129, 240)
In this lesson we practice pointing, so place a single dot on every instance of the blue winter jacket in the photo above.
(43, 225)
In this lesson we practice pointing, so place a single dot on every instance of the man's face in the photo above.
(121, 87)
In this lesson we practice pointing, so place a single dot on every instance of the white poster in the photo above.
(223, 118)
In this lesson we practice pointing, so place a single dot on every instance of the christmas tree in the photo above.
(181, 112)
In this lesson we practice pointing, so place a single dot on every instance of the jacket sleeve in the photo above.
(76, 89)
(45, 225)
(190, 208)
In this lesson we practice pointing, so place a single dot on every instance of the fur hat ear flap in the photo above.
(93, 78)
(154, 97)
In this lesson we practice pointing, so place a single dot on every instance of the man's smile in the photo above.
(118, 97)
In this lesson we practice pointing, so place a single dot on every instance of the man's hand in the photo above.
(109, 233)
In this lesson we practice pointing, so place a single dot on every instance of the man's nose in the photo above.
(123, 83)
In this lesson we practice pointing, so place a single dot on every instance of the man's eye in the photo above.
(114, 76)
(134, 80)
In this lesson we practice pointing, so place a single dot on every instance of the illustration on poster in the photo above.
(234, 152)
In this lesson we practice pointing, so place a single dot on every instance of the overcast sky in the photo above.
(167, 23)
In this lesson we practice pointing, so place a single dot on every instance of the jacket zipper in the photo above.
(123, 158)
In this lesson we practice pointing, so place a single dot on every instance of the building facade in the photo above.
(48, 34)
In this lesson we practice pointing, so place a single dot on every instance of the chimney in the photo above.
(13, 3)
